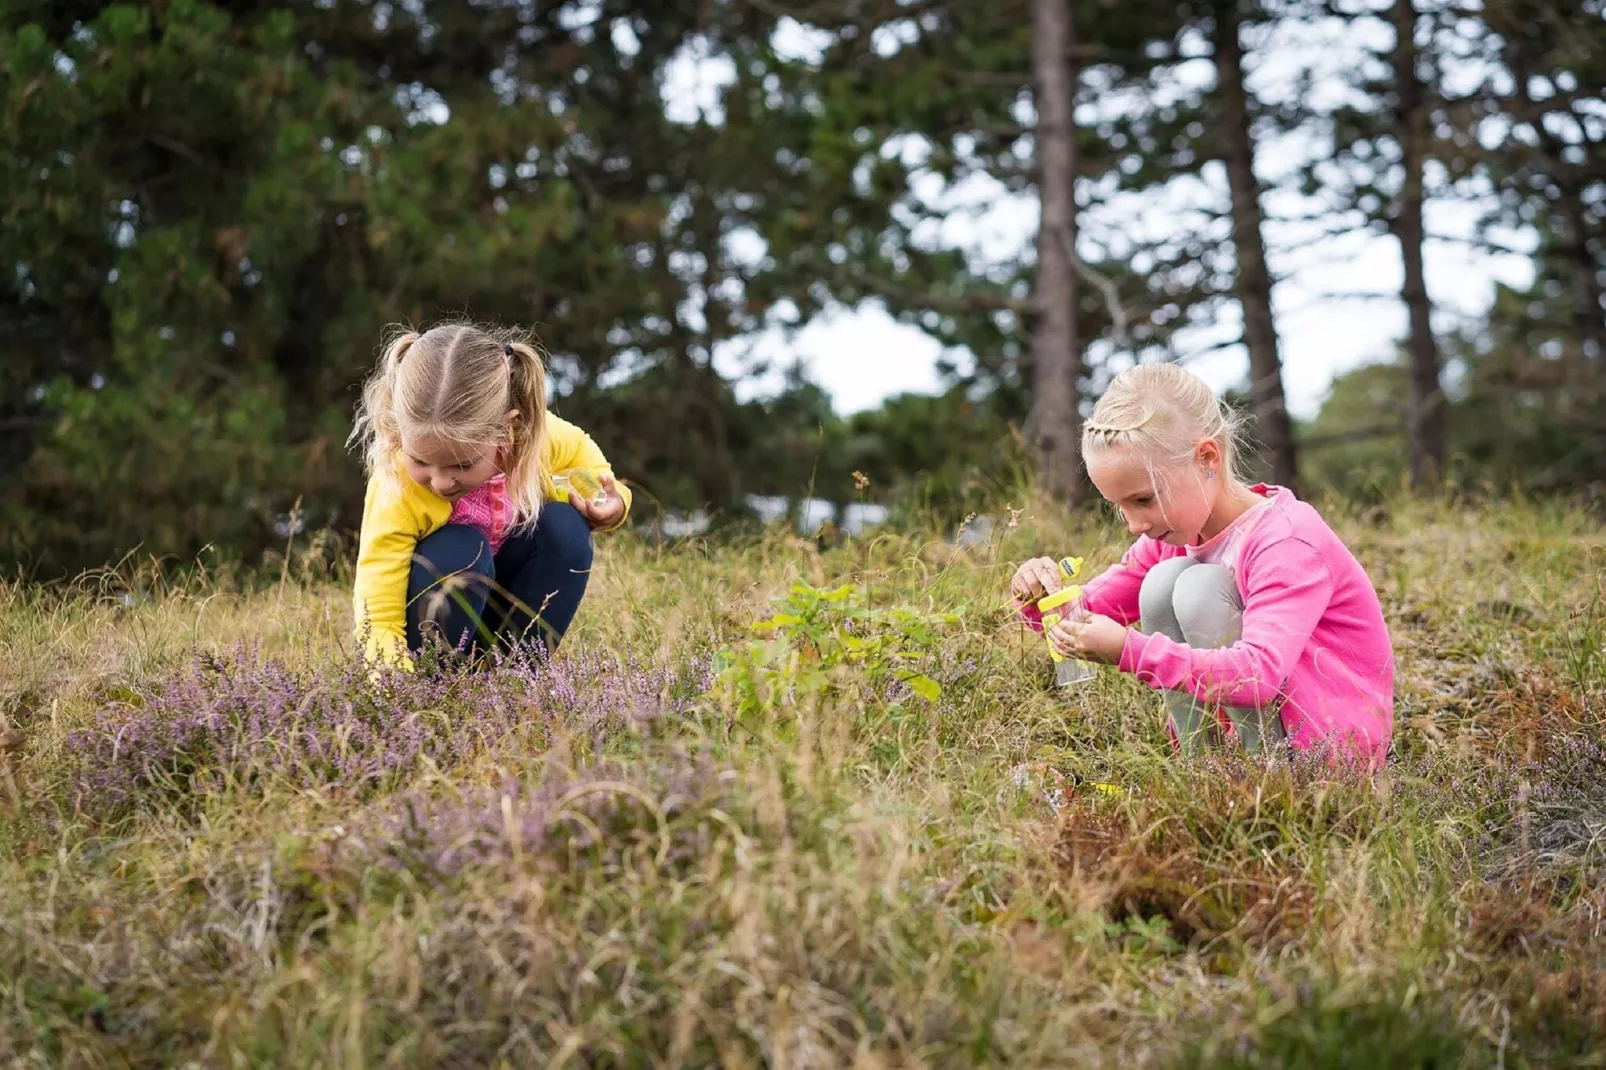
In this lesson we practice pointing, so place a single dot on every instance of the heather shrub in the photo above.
(242, 721)
(1549, 822)
(611, 815)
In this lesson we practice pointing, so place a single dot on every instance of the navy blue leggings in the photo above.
(529, 588)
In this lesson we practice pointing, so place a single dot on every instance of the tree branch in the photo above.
(1219, 347)
(1487, 245)
(176, 147)
(1106, 288)
(23, 423)
(1357, 434)
(947, 304)
(1335, 295)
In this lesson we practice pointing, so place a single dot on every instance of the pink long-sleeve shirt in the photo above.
(1313, 632)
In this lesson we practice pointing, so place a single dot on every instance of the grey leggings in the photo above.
(1198, 605)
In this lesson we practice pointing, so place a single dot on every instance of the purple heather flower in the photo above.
(227, 720)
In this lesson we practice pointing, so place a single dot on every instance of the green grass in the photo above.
(810, 863)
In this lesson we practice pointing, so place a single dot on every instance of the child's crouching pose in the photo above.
(465, 534)
(1254, 619)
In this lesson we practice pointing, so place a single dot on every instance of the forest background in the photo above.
(212, 210)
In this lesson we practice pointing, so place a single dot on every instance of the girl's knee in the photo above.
(454, 548)
(1207, 607)
(563, 532)
(1155, 596)
(448, 585)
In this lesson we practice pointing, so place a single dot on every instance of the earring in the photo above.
(1210, 473)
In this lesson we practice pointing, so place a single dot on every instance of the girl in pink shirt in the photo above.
(1254, 620)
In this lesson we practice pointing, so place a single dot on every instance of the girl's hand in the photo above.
(608, 512)
(1034, 579)
(1089, 637)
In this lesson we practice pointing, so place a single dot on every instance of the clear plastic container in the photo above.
(582, 481)
(1067, 671)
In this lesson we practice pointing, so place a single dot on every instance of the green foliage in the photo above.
(1327, 1033)
(816, 635)
(953, 452)
(1356, 445)
(219, 208)
(1522, 411)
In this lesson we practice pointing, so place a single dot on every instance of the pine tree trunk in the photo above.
(1411, 130)
(1054, 423)
(1272, 425)
(1585, 271)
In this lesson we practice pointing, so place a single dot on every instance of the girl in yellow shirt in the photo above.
(466, 536)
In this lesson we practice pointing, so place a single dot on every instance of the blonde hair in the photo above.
(1164, 411)
(456, 382)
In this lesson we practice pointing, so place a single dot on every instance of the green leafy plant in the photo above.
(822, 639)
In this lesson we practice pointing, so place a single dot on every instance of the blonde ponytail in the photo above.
(374, 429)
(527, 393)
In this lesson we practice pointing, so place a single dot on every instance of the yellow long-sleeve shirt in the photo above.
(398, 512)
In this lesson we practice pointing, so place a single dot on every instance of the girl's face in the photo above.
(450, 469)
(1167, 502)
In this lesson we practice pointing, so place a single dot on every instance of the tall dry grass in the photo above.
(221, 844)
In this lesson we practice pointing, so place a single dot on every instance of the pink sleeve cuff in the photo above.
(1032, 616)
(1132, 650)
